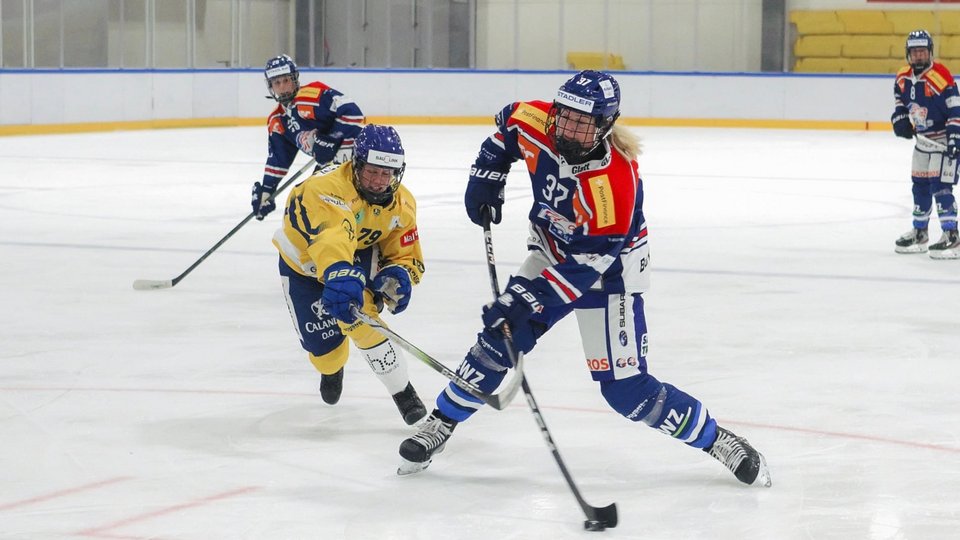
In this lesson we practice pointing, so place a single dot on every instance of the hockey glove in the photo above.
(485, 194)
(513, 310)
(342, 288)
(953, 145)
(393, 282)
(902, 126)
(262, 201)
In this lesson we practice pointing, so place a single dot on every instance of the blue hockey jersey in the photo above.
(587, 219)
(930, 99)
(316, 106)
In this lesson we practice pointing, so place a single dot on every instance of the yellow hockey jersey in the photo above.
(326, 221)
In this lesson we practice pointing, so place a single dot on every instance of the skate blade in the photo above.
(945, 254)
(911, 249)
(763, 475)
(412, 467)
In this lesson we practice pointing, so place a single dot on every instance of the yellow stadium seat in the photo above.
(864, 22)
(864, 46)
(819, 65)
(872, 65)
(949, 21)
(594, 60)
(822, 46)
(947, 47)
(816, 22)
(905, 22)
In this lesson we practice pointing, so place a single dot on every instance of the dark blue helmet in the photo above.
(919, 39)
(591, 93)
(379, 146)
(280, 66)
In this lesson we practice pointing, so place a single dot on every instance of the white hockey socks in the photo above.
(389, 365)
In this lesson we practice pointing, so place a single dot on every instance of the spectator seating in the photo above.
(869, 41)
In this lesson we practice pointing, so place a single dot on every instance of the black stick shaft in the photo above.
(606, 515)
(240, 225)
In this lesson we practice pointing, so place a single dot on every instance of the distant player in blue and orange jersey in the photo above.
(314, 119)
(927, 103)
(588, 255)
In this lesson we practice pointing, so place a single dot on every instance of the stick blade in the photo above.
(606, 516)
(150, 284)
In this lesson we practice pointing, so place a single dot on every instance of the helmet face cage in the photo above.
(588, 94)
(919, 39)
(282, 66)
(378, 146)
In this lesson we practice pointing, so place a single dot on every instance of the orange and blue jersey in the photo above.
(316, 106)
(930, 99)
(586, 218)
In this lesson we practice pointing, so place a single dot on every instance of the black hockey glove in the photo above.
(902, 126)
(261, 200)
(485, 193)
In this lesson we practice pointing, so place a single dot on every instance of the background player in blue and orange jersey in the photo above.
(314, 119)
(927, 103)
(349, 237)
(588, 255)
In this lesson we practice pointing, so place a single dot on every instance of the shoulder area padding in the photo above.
(939, 77)
(531, 113)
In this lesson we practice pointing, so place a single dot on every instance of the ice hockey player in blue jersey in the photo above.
(926, 102)
(588, 255)
(314, 119)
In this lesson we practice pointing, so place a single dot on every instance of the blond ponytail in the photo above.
(625, 141)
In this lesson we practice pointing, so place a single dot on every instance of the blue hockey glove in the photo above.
(953, 145)
(485, 194)
(322, 147)
(325, 149)
(513, 309)
(902, 126)
(393, 282)
(261, 200)
(342, 287)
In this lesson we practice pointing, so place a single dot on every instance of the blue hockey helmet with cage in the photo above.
(919, 39)
(592, 93)
(280, 66)
(379, 146)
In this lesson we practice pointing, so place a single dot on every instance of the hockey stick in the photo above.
(148, 284)
(498, 401)
(598, 519)
(927, 140)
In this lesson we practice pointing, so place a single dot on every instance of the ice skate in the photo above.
(409, 405)
(948, 247)
(736, 454)
(417, 452)
(913, 241)
(331, 386)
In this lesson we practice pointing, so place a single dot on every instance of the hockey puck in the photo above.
(594, 525)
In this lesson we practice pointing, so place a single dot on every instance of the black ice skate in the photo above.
(331, 386)
(409, 405)
(417, 451)
(948, 247)
(736, 454)
(913, 241)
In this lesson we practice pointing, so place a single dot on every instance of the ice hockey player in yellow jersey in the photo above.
(349, 237)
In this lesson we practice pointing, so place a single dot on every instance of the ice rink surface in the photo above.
(192, 413)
